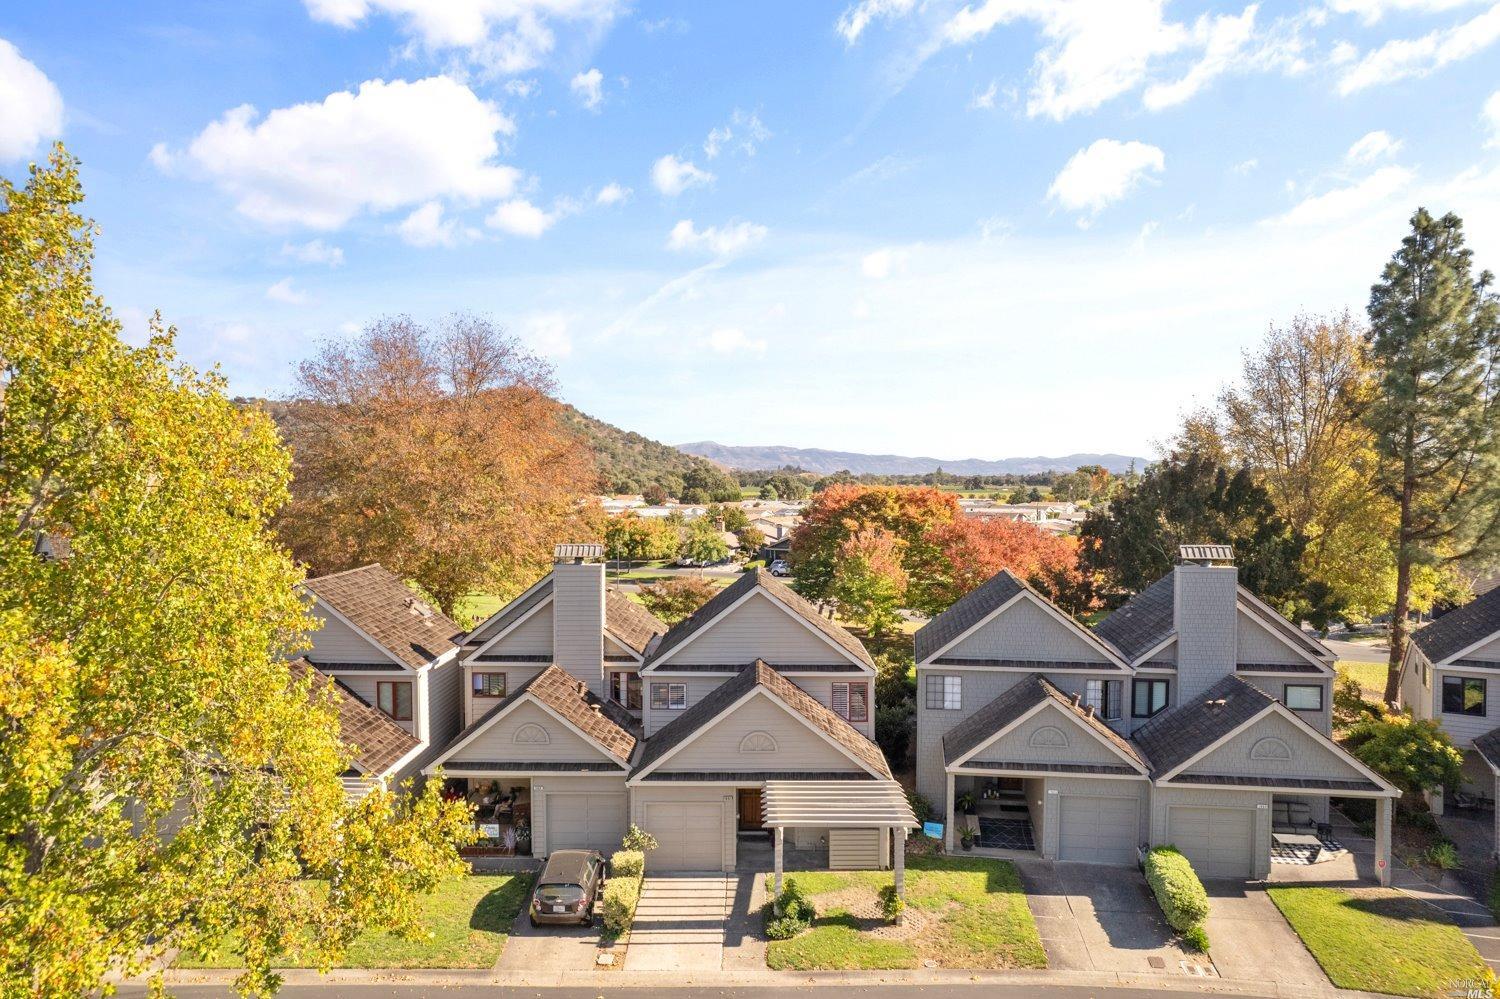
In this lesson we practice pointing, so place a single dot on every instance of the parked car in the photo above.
(780, 568)
(568, 887)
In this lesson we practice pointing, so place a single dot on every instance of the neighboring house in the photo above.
(1191, 715)
(1446, 675)
(594, 715)
(393, 652)
(382, 749)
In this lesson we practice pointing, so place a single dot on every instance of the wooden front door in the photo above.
(749, 808)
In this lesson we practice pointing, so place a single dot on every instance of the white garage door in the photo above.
(578, 821)
(1220, 842)
(1097, 830)
(689, 835)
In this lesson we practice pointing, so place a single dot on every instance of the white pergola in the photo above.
(840, 804)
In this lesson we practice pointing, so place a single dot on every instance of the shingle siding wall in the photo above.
(498, 742)
(1309, 756)
(1025, 631)
(1257, 645)
(336, 642)
(1464, 729)
(756, 629)
(578, 621)
(1033, 741)
(532, 637)
(1275, 686)
(1163, 799)
(718, 747)
(1206, 627)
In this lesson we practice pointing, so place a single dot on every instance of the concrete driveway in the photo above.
(679, 923)
(1251, 939)
(1094, 917)
(549, 948)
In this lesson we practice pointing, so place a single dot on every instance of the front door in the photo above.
(749, 809)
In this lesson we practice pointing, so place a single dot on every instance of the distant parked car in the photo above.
(566, 891)
(780, 568)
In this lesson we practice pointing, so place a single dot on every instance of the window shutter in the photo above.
(859, 702)
(841, 700)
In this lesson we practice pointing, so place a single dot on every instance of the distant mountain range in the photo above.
(827, 462)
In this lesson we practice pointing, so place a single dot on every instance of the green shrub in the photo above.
(620, 898)
(796, 912)
(1414, 754)
(920, 806)
(638, 839)
(627, 864)
(783, 927)
(1443, 855)
(1196, 938)
(1178, 891)
(891, 904)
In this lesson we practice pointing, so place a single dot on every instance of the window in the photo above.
(945, 693)
(488, 684)
(1104, 697)
(671, 696)
(1149, 697)
(625, 688)
(1463, 695)
(851, 701)
(394, 698)
(1303, 696)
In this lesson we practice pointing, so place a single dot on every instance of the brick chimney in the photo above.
(578, 613)
(1206, 585)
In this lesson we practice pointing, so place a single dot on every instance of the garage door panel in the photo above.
(1097, 830)
(1219, 842)
(585, 821)
(689, 835)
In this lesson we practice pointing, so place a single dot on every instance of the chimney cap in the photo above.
(577, 553)
(1206, 554)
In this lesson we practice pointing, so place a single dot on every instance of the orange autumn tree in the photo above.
(870, 582)
(974, 550)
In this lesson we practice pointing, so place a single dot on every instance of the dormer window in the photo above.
(851, 701)
(394, 698)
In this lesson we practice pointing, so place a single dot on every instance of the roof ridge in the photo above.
(345, 572)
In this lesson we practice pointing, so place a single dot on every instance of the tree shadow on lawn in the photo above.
(498, 909)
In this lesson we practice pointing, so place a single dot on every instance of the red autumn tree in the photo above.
(973, 550)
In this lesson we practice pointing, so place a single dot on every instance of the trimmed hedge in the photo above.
(1178, 891)
(797, 912)
(622, 892)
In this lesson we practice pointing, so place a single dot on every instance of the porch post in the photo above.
(780, 837)
(900, 862)
(1383, 840)
(948, 825)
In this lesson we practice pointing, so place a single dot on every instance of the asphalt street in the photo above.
(971, 991)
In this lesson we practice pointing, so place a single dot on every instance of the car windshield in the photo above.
(554, 894)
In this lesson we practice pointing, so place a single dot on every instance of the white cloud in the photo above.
(1492, 117)
(672, 176)
(1372, 146)
(520, 217)
(283, 292)
(520, 88)
(1224, 39)
(548, 334)
(721, 241)
(1245, 167)
(985, 100)
(732, 340)
(503, 36)
(314, 252)
(1403, 58)
(427, 227)
(879, 264)
(1374, 10)
(589, 87)
(31, 107)
(1355, 201)
(1103, 173)
(388, 145)
(855, 19)
(612, 194)
(746, 124)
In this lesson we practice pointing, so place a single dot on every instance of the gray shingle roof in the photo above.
(718, 700)
(721, 601)
(1054, 665)
(1179, 734)
(381, 605)
(1460, 628)
(1032, 690)
(1488, 746)
(1277, 668)
(376, 741)
(1142, 622)
(965, 612)
(1300, 783)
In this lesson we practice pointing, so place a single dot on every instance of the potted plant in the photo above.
(966, 803)
(967, 836)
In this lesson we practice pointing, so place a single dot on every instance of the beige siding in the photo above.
(336, 642)
(820, 688)
(728, 743)
(614, 648)
(1489, 652)
(488, 628)
(497, 743)
(445, 692)
(543, 786)
(1026, 631)
(641, 799)
(1050, 736)
(532, 637)
(515, 675)
(698, 687)
(363, 684)
(1416, 673)
(1164, 799)
(854, 849)
(578, 621)
(757, 629)
(1257, 752)
(1257, 645)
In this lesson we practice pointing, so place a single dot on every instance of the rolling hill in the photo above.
(827, 462)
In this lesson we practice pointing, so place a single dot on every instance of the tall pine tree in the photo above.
(1433, 338)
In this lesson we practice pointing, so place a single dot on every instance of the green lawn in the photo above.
(466, 919)
(974, 911)
(1379, 940)
(1371, 677)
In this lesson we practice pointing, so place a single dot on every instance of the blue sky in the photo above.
(1007, 227)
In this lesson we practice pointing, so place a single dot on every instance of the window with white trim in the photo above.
(851, 701)
(1104, 697)
(945, 693)
(669, 696)
(488, 684)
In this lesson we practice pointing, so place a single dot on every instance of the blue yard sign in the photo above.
(933, 829)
